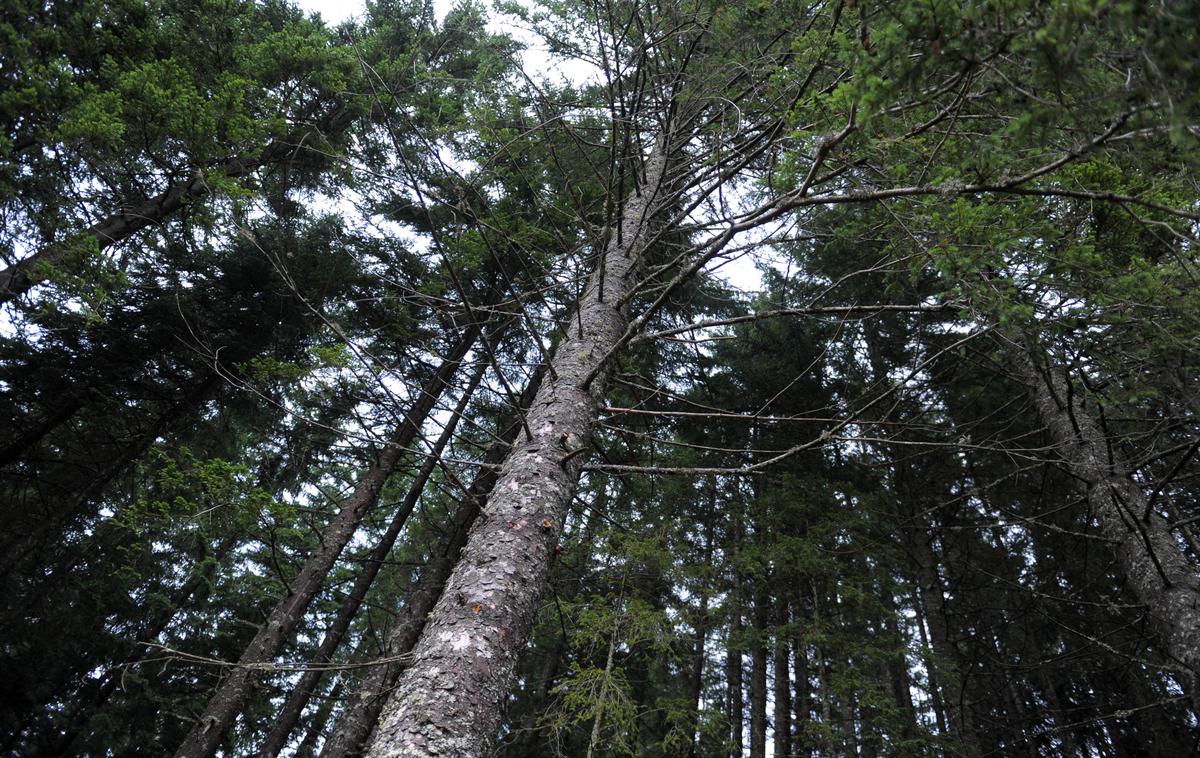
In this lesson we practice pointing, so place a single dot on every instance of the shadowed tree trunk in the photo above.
(1159, 574)
(783, 683)
(696, 675)
(758, 677)
(362, 711)
(222, 710)
(289, 714)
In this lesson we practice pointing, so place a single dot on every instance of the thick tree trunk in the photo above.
(361, 713)
(448, 703)
(289, 714)
(222, 710)
(1157, 571)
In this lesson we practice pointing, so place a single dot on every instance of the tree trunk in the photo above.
(448, 703)
(897, 664)
(734, 702)
(28, 537)
(801, 742)
(948, 662)
(222, 710)
(929, 658)
(696, 675)
(362, 712)
(15, 448)
(1158, 573)
(289, 714)
(758, 678)
(783, 683)
(317, 722)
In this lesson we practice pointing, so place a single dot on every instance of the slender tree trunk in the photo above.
(898, 664)
(801, 742)
(28, 538)
(734, 702)
(448, 703)
(362, 712)
(696, 675)
(598, 720)
(948, 661)
(222, 710)
(1157, 571)
(316, 723)
(783, 683)
(758, 678)
(289, 714)
(31, 435)
(112, 678)
(927, 654)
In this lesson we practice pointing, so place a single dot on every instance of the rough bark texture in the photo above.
(362, 712)
(449, 702)
(1156, 570)
(289, 714)
(222, 710)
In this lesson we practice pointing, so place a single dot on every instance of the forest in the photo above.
(600, 378)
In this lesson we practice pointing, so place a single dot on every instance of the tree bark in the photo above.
(316, 724)
(783, 683)
(696, 675)
(734, 702)
(758, 678)
(289, 714)
(448, 703)
(362, 712)
(205, 737)
(948, 662)
(1159, 574)
(802, 743)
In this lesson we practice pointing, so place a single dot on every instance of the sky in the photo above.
(740, 273)
(335, 11)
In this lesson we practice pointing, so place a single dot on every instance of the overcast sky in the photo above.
(333, 11)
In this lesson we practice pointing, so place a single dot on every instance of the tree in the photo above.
(369, 391)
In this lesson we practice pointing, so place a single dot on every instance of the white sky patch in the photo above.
(333, 12)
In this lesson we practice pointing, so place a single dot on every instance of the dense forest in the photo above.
(680, 378)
